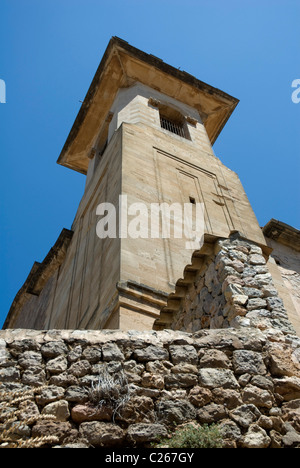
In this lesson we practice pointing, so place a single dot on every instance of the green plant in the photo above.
(194, 436)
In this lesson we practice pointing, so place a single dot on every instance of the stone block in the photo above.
(248, 362)
(102, 434)
(151, 353)
(214, 378)
(111, 352)
(141, 433)
(185, 353)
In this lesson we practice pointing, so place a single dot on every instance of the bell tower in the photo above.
(143, 137)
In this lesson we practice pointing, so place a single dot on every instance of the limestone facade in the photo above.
(284, 240)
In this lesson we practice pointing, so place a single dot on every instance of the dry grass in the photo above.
(111, 390)
(14, 426)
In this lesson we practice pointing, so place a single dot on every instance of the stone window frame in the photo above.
(178, 122)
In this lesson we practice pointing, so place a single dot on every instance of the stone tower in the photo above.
(144, 132)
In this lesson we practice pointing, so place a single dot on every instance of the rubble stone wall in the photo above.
(234, 288)
(245, 380)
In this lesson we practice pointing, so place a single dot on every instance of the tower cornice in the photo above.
(123, 65)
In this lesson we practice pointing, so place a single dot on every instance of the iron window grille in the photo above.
(171, 126)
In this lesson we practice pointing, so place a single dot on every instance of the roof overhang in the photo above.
(282, 233)
(121, 66)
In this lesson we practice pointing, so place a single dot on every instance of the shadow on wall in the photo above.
(230, 286)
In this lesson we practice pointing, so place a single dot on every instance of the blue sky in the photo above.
(50, 50)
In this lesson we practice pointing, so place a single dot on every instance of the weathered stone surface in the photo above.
(283, 361)
(178, 412)
(256, 437)
(63, 380)
(232, 279)
(255, 249)
(133, 367)
(84, 413)
(210, 277)
(211, 413)
(181, 380)
(80, 368)
(240, 300)
(50, 394)
(59, 409)
(288, 388)
(141, 433)
(274, 303)
(269, 291)
(212, 378)
(276, 438)
(5, 357)
(257, 396)
(9, 374)
(53, 349)
(233, 290)
(30, 359)
(92, 354)
(28, 409)
(111, 352)
(75, 353)
(137, 409)
(61, 430)
(238, 266)
(263, 279)
(235, 254)
(200, 396)
(245, 415)
(151, 353)
(230, 430)
(185, 353)
(246, 285)
(231, 339)
(17, 430)
(291, 413)
(253, 292)
(214, 358)
(248, 362)
(256, 303)
(152, 380)
(183, 368)
(265, 422)
(256, 259)
(101, 434)
(76, 394)
(21, 344)
(34, 377)
(264, 382)
(57, 365)
(291, 438)
(227, 397)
